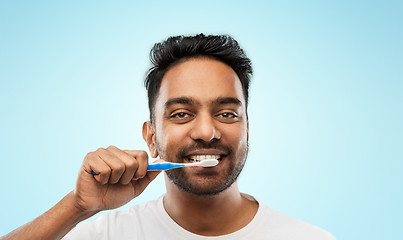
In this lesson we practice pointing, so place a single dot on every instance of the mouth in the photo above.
(201, 157)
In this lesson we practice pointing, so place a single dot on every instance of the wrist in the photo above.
(76, 209)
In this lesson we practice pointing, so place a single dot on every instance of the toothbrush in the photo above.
(160, 166)
(169, 165)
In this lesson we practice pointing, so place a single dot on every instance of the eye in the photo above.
(181, 117)
(227, 115)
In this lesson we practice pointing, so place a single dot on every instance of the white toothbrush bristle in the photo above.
(208, 162)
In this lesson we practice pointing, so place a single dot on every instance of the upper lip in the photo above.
(206, 152)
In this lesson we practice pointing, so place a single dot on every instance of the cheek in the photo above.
(170, 137)
(237, 136)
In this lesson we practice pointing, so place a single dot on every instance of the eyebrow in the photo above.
(179, 100)
(191, 101)
(227, 100)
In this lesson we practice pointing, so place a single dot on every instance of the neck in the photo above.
(210, 215)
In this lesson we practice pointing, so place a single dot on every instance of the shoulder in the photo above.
(281, 226)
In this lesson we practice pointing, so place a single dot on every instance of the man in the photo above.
(198, 96)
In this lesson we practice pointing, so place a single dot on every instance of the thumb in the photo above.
(150, 176)
(159, 160)
(153, 174)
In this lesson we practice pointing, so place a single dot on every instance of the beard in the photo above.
(211, 183)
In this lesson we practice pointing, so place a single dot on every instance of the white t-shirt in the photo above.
(150, 221)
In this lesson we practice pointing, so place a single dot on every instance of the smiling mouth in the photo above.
(198, 158)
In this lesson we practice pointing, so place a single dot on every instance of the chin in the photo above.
(201, 184)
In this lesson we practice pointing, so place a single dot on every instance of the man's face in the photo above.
(200, 112)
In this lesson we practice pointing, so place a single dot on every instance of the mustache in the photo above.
(182, 152)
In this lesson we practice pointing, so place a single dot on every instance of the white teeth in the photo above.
(198, 158)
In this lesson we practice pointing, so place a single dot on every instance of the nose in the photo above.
(205, 129)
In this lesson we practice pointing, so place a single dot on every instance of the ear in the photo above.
(149, 137)
(247, 130)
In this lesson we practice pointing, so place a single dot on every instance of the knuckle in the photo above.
(90, 155)
(119, 166)
(143, 154)
(133, 164)
(112, 147)
(105, 169)
(100, 150)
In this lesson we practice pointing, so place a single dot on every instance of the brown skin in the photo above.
(203, 119)
(122, 174)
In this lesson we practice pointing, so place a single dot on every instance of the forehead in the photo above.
(202, 79)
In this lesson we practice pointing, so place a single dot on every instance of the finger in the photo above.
(115, 164)
(93, 163)
(131, 164)
(142, 159)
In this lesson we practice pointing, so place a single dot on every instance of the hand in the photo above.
(121, 176)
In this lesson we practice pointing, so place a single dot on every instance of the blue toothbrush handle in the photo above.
(158, 166)
(163, 166)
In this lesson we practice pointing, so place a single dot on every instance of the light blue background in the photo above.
(325, 107)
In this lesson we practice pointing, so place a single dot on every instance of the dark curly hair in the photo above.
(174, 50)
